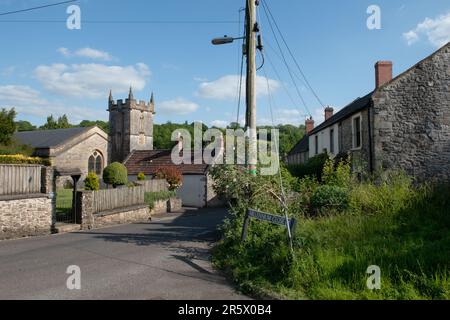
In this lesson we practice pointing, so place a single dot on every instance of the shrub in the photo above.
(68, 185)
(172, 175)
(336, 173)
(313, 167)
(141, 176)
(91, 183)
(330, 197)
(21, 159)
(152, 197)
(115, 174)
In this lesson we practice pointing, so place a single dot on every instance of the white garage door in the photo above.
(193, 191)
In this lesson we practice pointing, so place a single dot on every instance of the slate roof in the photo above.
(301, 147)
(43, 139)
(149, 161)
(356, 106)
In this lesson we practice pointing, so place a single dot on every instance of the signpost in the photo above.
(261, 216)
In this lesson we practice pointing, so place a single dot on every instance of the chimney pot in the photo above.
(309, 123)
(328, 112)
(383, 73)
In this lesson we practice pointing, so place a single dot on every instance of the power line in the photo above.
(37, 8)
(267, 9)
(286, 63)
(128, 21)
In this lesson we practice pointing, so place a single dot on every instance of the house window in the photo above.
(316, 144)
(356, 132)
(332, 141)
(95, 163)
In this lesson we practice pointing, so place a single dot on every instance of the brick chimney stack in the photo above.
(328, 112)
(383, 73)
(309, 123)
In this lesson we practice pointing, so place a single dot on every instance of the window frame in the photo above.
(354, 133)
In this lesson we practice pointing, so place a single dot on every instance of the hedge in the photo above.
(21, 159)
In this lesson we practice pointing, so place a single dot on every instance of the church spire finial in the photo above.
(152, 99)
(110, 95)
(130, 95)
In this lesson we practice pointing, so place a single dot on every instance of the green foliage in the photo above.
(115, 174)
(313, 167)
(336, 174)
(141, 176)
(152, 197)
(21, 159)
(7, 126)
(391, 223)
(61, 123)
(91, 183)
(330, 197)
(25, 126)
(99, 123)
(172, 175)
(15, 148)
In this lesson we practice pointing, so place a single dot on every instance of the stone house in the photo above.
(84, 149)
(404, 124)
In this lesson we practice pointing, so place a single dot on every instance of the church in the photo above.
(130, 141)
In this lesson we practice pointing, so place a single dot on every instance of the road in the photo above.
(167, 258)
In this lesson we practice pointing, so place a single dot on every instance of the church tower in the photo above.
(130, 125)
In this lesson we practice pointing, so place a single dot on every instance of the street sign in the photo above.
(262, 216)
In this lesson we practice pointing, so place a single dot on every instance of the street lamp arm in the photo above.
(224, 40)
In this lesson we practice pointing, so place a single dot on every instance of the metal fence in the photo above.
(110, 199)
(20, 179)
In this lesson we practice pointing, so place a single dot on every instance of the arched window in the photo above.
(95, 163)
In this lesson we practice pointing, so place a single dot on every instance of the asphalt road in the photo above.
(168, 258)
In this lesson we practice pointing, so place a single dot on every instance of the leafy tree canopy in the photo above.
(7, 126)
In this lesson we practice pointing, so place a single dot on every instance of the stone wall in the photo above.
(412, 120)
(29, 214)
(91, 219)
(360, 157)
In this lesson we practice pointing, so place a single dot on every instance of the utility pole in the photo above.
(251, 30)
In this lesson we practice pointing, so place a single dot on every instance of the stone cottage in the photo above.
(404, 124)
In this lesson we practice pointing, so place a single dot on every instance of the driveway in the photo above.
(168, 258)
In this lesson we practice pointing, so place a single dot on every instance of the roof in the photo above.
(43, 139)
(149, 161)
(356, 106)
(301, 146)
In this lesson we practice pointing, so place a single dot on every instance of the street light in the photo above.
(224, 40)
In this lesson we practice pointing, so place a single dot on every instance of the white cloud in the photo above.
(28, 101)
(86, 53)
(226, 87)
(436, 30)
(178, 106)
(91, 80)
(219, 123)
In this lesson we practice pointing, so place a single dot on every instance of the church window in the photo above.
(95, 163)
(141, 123)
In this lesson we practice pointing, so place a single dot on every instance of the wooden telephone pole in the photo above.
(251, 29)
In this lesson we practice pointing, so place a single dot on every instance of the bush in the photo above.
(330, 197)
(68, 185)
(21, 159)
(115, 174)
(141, 176)
(91, 183)
(313, 167)
(172, 175)
(152, 197)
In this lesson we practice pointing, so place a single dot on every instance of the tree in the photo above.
(25, 126)
(99, 123)
(7, 126)
(61, 123)
(116, 174)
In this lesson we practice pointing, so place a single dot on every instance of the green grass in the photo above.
(152, 197)
(403, 230)
(63, 201)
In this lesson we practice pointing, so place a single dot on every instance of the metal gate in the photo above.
(66, 211)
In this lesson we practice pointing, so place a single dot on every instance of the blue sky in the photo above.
(47, 69)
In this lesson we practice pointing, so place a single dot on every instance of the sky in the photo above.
(46, 68)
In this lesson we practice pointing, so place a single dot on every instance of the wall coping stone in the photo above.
(119, 210)
(14, 197)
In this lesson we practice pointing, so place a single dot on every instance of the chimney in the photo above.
(383, 73)
(328, 112)
(309, 123)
